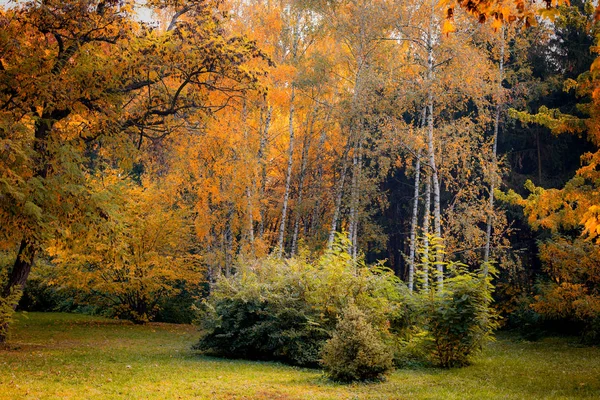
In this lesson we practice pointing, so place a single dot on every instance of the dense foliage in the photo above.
(286, 309)
(460, 320)
(153, 154)
(355, 319)
(356, 351)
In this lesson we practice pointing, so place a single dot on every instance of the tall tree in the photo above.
(83, 76)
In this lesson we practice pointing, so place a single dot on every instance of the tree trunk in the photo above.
(426, 218)
(288, 177)
(355, 199)
(262, 149)
(229, 241)
(539, 155)
(21, 269)
(413, 225)
(338, 196)
(431, 150)
(488, 230)
(17, 279)
(303, 166)
(251, 181)
(415, 212)
(315, 220)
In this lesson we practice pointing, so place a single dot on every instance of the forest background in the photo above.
(139, 162)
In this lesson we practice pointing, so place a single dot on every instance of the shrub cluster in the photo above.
(353, 320)
(285, 310)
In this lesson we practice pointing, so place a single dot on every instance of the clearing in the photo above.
(70, 356)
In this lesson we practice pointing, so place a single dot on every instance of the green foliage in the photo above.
(262, 330)
(286, 309)
(179, 307)
(553, 119)
(7, 305)
(409, 336)
(356, 351)
(524, 320)
(459, 319)
(445, 324)
(38, 296)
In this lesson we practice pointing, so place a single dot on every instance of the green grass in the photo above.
(67, 356)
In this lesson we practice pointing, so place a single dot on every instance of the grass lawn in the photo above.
(68, 356)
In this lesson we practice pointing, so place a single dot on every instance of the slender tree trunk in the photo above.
(251, 181)
(539, 155)
(250, 212)
(431, 150)
(315, 219)
(353, 185)
(288, 177)
(338, 196)
(415, 212)
(426, 219)
(355, 199)
(413, 225)
(229, 241)
(211, 273)
(303, 166)
(262, 155)
(356, 127)
(488, 230)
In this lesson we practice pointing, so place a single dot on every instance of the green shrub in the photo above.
(274, 309)
(414, 351)
(263, 330)
(7, 311)
(459, 319)
(178, 308)
(356, 351)
(38, 296)
(525, 321)
(409, 337)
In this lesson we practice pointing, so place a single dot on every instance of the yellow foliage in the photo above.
(135, 254)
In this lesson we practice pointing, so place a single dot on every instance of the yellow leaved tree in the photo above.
(138, 253)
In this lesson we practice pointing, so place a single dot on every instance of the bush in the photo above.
(356, 351)
(178, 308)
(525, 321)
(38, 296)
(459, 319)
(136, 258)
(7, 305)
(263, 330)
(285, 310)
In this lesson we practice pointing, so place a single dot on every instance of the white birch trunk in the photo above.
(262, 151)
(488, 230)
(426, 219)
(431, 150)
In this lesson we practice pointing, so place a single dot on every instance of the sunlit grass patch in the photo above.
(68, 356)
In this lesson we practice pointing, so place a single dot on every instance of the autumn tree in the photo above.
(568, 213)
(134, 257)
(82, 79)
(448, 84)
